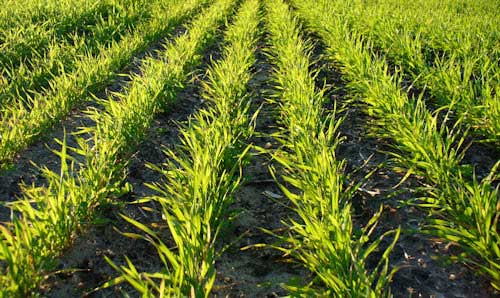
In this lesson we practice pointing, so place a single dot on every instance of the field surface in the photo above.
(250, 148)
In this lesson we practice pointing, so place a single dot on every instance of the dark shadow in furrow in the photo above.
(83, 264)
(40, 154)
(421, 273)
(244, 270)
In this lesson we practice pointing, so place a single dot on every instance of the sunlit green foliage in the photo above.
(55, 55)
(61, 56)
(450, 49)
(22, 123)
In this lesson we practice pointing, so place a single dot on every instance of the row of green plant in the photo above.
(325, 239)
(459, 69)
(35, 75)
(462, 209)
(48, 217)
(21, 43)
(202, 174)
(22, 123)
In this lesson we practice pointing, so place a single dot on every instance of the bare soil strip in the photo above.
(245, 270)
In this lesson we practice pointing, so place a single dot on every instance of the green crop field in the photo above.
(249, 148)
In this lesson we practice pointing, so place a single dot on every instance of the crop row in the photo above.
(49, 216)
(463, 210)
(58, 13)
(24, 41)
(202, 174)
(21, 124)
(325, 239)
(451, 28)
